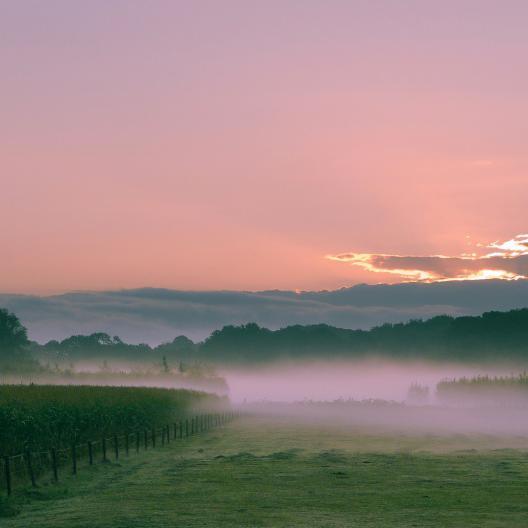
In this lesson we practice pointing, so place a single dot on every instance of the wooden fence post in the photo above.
(31, 473)
(74, 459)
(7, 471)
(54, 464)
(194, 425)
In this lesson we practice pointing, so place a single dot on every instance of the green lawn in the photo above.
(275, 473)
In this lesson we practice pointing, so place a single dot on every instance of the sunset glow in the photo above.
(510, 262)
(232, 145)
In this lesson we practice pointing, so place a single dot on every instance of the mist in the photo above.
(359, 380)
(372, 397)
(116, 372)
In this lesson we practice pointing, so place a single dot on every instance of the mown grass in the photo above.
(258, 472)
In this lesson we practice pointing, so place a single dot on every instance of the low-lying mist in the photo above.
(469, 427)
(117, 372)
(381, 395)
(359, 380)
(386, 396)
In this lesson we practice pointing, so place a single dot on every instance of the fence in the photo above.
(26, 468)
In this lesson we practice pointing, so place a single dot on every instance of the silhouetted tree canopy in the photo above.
(180, 348)
(13, 335)
(490, 336)
(102, 346)
(96, 346)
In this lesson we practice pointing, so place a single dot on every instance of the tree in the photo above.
(418, 394)
(165, 365)
(13, 335)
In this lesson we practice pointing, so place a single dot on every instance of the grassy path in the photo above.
(256, 473)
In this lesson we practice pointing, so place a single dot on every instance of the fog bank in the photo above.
(359, 380)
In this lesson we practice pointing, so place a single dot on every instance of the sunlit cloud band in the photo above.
(508, 261)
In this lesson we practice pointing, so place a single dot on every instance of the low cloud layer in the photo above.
(500, 260)
(157, 315)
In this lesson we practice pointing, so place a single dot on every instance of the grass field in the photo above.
(260, 472)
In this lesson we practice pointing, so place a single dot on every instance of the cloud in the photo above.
(508, 261)
(156, 315)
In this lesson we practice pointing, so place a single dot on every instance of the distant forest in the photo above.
(490, 336)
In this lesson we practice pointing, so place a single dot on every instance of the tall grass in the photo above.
(43, 416)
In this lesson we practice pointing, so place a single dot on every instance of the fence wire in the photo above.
(28, 468)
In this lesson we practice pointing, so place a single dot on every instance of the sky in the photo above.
(254, 145)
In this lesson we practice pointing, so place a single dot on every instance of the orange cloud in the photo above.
(508, 261)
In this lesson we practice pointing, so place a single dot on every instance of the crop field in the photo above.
(485, 390)
(277, 472)
(43, 416)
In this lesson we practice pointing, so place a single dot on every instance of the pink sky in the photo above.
(236, 144)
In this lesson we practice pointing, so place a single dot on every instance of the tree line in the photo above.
(492, 335)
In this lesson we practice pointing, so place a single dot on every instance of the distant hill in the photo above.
(153, 316)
